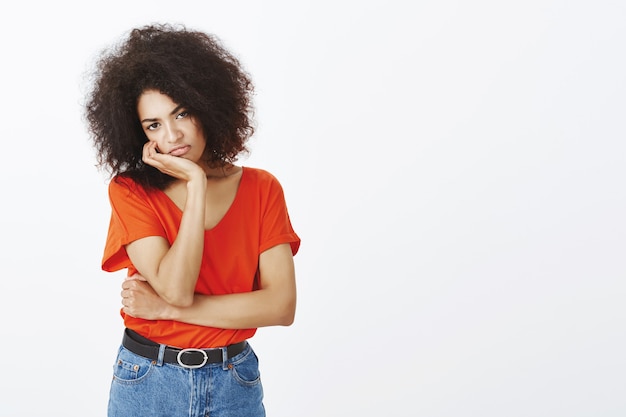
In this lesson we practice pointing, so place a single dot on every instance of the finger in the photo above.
(146, 148)
(153, 150)
(131, 284)
(149, 151)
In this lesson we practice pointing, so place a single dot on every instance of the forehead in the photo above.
(154, 104)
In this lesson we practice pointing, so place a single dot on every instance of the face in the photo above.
(170, 125)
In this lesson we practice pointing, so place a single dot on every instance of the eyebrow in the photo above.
(176, 110)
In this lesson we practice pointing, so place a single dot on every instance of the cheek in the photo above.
(196, 127)
(153, 137)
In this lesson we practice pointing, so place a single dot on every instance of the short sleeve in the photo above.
(132, 218)
(276, 227)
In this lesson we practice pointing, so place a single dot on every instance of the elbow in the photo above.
(287, 314)
(288, 320)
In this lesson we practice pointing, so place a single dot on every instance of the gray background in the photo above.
(455, 170)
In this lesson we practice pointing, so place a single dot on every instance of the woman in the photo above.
(208, 244)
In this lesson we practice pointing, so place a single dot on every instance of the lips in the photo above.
(180, 151)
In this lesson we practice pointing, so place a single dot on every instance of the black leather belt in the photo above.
(187, 358)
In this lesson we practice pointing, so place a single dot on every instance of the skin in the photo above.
(164, 287)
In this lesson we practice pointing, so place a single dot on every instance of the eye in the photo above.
(152, 126)
(182, 115)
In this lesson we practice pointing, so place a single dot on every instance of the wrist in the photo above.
(170, 312)
(197, 179)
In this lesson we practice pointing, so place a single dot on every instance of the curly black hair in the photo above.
(194, 70)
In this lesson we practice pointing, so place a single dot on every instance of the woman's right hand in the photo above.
(174, 166)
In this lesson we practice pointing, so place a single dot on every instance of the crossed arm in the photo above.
(273, 304)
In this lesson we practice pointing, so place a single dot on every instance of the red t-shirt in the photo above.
(256, 221)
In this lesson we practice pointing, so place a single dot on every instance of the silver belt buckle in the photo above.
(184, 365)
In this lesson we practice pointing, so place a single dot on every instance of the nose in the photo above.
(173, 134)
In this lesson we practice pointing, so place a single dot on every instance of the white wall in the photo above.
(455, 170)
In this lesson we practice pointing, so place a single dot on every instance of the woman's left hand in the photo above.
(141, 301)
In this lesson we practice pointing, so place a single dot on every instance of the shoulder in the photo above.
(120, 181)
(262, 184)
(260, 176)
(258, 173)
(124, 187)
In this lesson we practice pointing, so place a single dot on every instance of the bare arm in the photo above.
(273, 304)
(172, 271)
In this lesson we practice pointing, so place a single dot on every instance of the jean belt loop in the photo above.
(224, 358)
(161, 354)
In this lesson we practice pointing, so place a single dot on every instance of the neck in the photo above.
(221, 172)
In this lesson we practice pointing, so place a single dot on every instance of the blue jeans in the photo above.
(142, 387)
